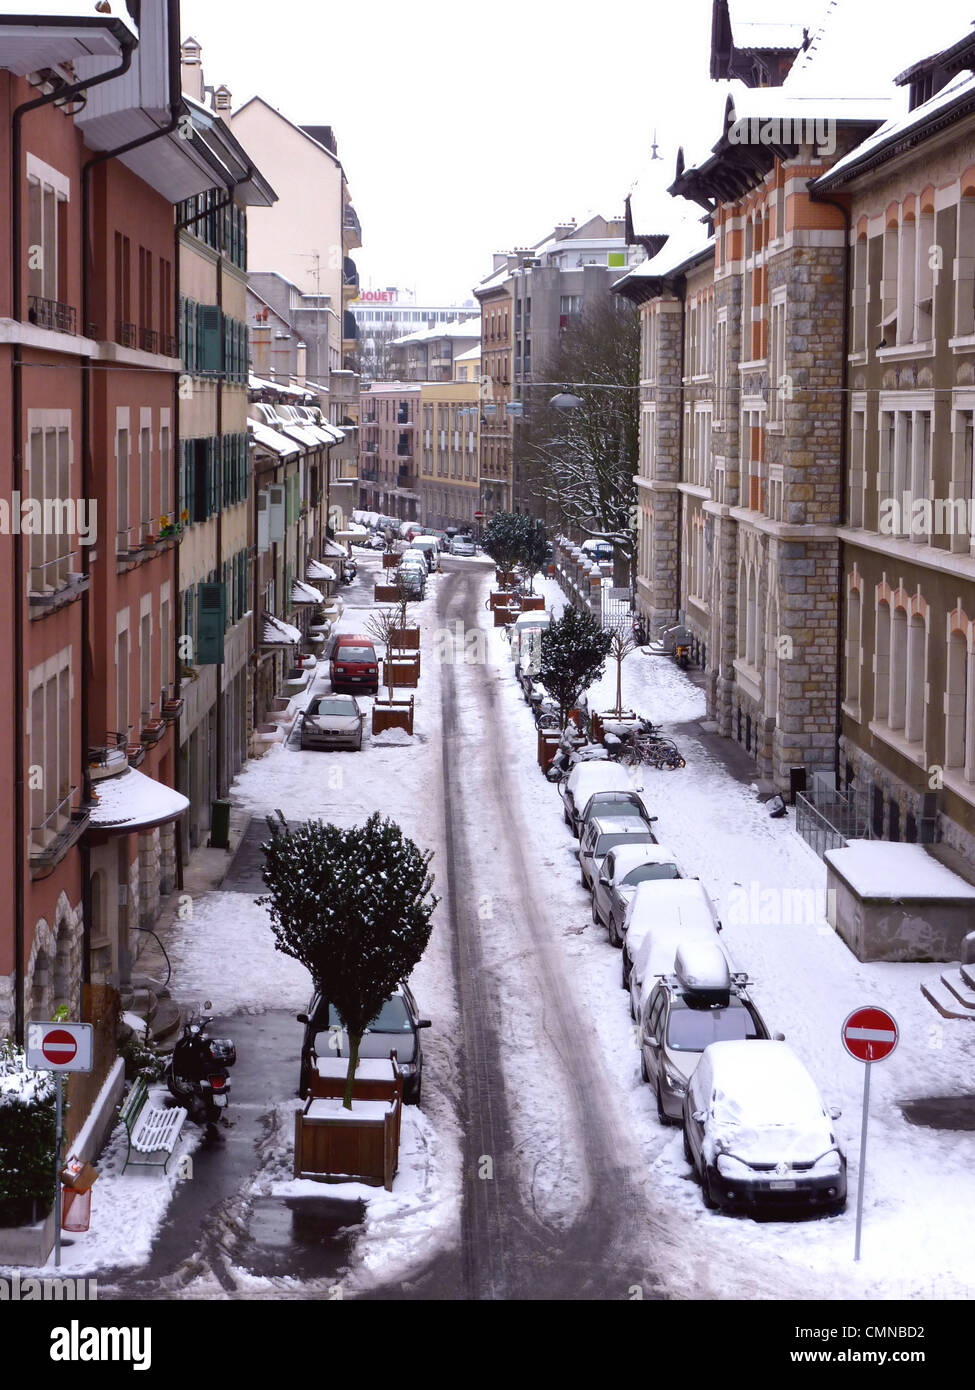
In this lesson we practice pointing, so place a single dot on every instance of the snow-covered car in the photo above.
(395, 1028)
(332, 721)
(430, 547)
(679, 903)
(621, 872)
(585, 779)
(377, 541)
(604, 833)
(699, 1004)
(597, 550)
(614, 803)
(757, 1133)
(412, 575)
(463, 545)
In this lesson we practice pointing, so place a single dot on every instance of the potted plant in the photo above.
(389, 713)
(27, 1139)
(354, 906)
(405, 638)
(502, 541)
(573, 656)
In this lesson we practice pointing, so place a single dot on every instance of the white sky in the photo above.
(467, 129)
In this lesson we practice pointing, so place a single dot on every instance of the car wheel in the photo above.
(582, 879)
(661, 1112)
(614, 937)
(645, 1075)
(358, 747)
(687, 1148)
(595, 914)
(632, 1009)
(624, 974)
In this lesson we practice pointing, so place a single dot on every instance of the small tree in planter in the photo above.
(353, 906)
(574, 651)
(623, 640)
(27, 1138)
(384, 626)
(502, 540)
(534, 548)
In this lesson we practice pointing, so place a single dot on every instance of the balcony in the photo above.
(351, 226)
(50, 313)
(126, 334)
(168, 345)
(404, 451)
(369, 475)
(148, 340)
(57, 832)
(405, 479)
(370, 447)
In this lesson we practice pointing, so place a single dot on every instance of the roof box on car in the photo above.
(702, 970)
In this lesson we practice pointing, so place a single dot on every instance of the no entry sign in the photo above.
(869, 1034)
(59, 1046)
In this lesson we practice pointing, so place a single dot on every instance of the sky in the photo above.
(464, 129)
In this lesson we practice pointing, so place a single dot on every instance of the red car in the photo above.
(354, 665)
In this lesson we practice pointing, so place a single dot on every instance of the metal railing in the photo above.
(169, 347)
(126, 334)
(45, 588)
(149, 340)
(51, 313)
(826, 819)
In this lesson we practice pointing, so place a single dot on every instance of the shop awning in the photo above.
(316, 570)
(278, 633)
(305, 593)
(133, 801)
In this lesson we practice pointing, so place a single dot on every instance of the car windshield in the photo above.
(332, 705)
(603, 805)
(691, 1029)
(646, 872)
(606, 842)
(354, 654)
(391, 1018)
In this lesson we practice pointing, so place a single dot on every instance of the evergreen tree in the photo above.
(533, 551)
(27, 1136)
(502, 540)
(574, 651)
(354, 906)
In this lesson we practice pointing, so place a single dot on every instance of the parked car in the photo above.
(377, 541)
(757, 1134)
(583, 781)
(463, 545)
(332, 721)
(430, 547)
(604, 833)
(621, 872)
(614, 803)
(597, 550)
(412, 573)
(699, 1004)
(354, 665)
(395, 1028)
(682, 902)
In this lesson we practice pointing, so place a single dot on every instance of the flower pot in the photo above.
(153, 730)
(172, 709)
(504, 576)
(392, 714)
(135, 753)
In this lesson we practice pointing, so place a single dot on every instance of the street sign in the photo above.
(478, 516)
(59, 1046)
(869, 1034)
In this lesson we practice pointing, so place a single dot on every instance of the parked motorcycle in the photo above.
(197, 1070)
(350, 570)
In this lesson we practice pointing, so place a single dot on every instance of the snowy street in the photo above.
(536, 1166)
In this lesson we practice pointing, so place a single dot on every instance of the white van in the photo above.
(526, 633)
(431, 549)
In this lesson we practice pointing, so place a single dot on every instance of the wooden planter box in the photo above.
(390, 561)
(548, 746)
(599, 721)
(402, 673)
(533, 603)
(406, 639)
(386, 593)
(499, 598)
(392, 714)
(504, 576)
(503, 616)
(375, 1079)
(361, 1144)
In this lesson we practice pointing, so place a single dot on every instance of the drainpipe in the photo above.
(128, 43)
(844, 465)
(682, 296)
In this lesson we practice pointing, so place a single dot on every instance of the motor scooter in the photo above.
(197, 1070)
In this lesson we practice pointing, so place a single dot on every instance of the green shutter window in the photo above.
(192, 354)
(212, 619)
(209, 338)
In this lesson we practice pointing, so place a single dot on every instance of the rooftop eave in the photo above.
(899, 144)
(91, 44)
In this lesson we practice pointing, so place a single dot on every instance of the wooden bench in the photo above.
(151, 1132)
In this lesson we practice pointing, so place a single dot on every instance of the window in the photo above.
(122, 684)
(860, 293)
(165, 473)
(779, 391)
(858, 445)
(123, 287)
(853, 648)
(965, 269)
(721, 370)
(122, 491)
(50, 748)
(47, 207)
(960, 487)
(50, 487)
(957, 713)
(145, 481)
(881, 663)
(145, 668)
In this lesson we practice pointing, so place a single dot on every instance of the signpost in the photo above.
(869, 1035)
(59, 1047)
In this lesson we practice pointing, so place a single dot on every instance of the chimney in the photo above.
(564, 229)
(191, 69)
(222, 100)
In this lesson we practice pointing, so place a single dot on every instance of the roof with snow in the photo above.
(305, 593)
(460, 328)
(316, 570)
(471, 355)
(272, 440)
(133, 801)
(277, 633)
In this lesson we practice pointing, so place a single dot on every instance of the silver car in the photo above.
(332, 721)
(622, 870)
(463, 545)
(603, 834)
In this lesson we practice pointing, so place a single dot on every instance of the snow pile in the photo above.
(20, 1084)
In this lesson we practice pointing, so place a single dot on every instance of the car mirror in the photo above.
(653, 818)
(778, 1037)
(699, 1116)
(301, 1018)
(424, 1023)
(835, 1112)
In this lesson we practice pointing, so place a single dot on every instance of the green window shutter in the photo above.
(210, 337)
(212, 618)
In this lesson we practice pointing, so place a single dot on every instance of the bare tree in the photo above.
(384, 626)
(375, 355)
(622, 641)
(582, 460)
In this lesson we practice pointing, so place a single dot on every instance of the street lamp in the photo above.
(566, 400)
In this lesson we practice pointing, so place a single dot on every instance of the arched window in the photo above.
(772, 659)
(751, 624)
(853, 647)
(916, 670)
(881, 683)
(956, 701)
(897, 706)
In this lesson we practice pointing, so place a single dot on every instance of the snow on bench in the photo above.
(151, 1131)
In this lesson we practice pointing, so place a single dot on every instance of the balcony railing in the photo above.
(126, 334)
(168, 345)
(350, 219)
(369, 475)
(54, 578)
(370, 447)
(149, 340)
(57, 832)
(404, 451)
(50, 313)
